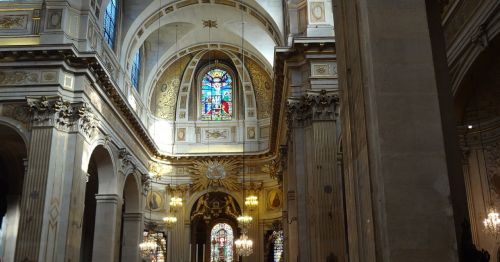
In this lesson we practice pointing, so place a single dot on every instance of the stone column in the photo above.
(132, 236)
(105, 242)
(47, 183)
(312, 120)
(398, 147)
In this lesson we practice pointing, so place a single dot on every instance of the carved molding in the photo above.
(63, 115)
(127, 164)
(320, 106)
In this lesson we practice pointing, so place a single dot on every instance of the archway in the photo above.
(12, 157)
(131, 220)
(214, 227)
(100, 210)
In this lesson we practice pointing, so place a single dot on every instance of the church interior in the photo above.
(249, 130)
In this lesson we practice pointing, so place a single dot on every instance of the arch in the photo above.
(147, 23)
(102, 183)
(131, 219)
(222, 237)
(195, 196)
(132, 193)
(13, 152)
(105, 170)
(18, 127)
(217, 93)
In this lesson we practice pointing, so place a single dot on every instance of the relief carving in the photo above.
(320, 106)
(64, 115)
(127, 164)
(13, 22)
(19, 77)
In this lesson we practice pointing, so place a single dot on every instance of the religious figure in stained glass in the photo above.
(221, 239)
(216, 96)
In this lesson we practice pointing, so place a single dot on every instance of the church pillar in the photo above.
(398, 149)
(313, 141)
(106, 225)
(56, 125)
(132, 236)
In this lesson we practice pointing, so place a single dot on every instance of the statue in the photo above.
(230, 207)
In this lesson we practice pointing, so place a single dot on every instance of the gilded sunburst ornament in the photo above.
(215, 174)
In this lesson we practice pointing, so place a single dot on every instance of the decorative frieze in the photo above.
(320, 106)
(64, 115)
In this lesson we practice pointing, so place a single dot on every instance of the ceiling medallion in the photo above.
(215, 175)
(209, 23)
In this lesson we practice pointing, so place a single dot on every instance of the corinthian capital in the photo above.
(314, 106)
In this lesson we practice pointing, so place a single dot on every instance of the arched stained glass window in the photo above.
(136, 70)
(110, 23)
(278, 245)
(221, 243)
(216, 95)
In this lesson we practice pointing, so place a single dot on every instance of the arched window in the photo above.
(221, 243)
(110, 23)
(216, 95)
(136, 70)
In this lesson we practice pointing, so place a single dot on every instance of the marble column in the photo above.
(105, 242)
(398, 150)
(132, 236)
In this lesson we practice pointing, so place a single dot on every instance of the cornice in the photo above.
(90, 61)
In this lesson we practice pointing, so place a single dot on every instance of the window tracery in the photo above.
(216, 95)
(221, 239)
(110, 23)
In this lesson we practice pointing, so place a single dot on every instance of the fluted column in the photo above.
(132, 236)
(105, 242)
(319, 194)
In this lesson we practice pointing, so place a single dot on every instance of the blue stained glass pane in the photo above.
(216, 95)
(136, 70)
(110, 23)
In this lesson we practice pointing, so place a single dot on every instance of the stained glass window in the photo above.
(278, 245)
(216, 95)
(110, 23)
(221, 243)
(136, 70)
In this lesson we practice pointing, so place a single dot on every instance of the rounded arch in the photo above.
(195, 196)
(235, 90)
(103, 160)
(132, 193)
(18, 127)
(13, 153)
(147, 23)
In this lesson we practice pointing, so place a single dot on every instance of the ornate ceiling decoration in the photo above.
(215, 174)
(262, 85)
(167, 88)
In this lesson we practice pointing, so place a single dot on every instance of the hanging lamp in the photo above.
(243, 245)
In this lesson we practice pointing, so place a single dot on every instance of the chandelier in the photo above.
(244, 246)
(175, 202)
(149, 246)
(492, 223)
(169, 221)
(244, 221)
(251, 201)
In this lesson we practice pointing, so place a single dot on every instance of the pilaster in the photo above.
(106, 226)
(55, 128)
(312, 123)
(132, 236)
